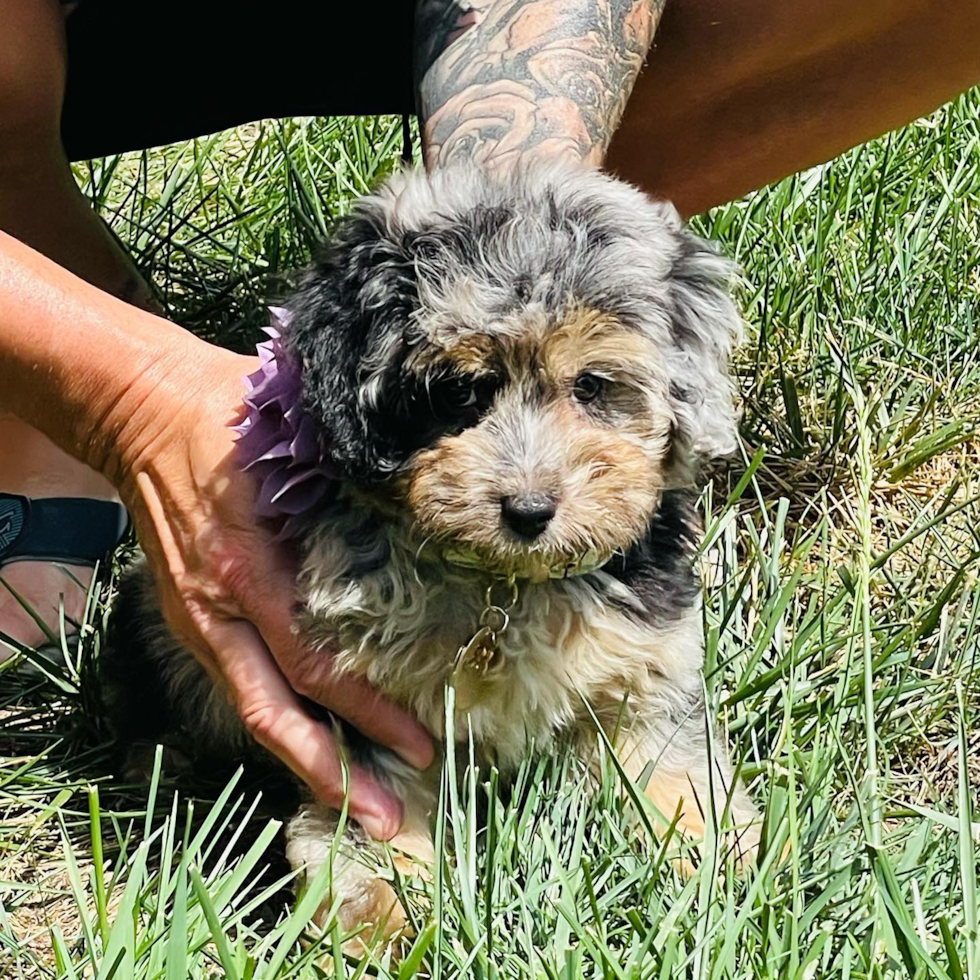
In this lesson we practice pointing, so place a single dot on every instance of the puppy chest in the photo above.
(559, 644)
(518, 680)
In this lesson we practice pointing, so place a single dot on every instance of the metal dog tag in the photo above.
(481, 651)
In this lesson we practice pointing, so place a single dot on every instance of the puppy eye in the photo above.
(456, 396)
(587, 387)
(458, 393)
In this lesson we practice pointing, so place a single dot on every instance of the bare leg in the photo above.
(738, 93)
(41, 204)
(32, 465)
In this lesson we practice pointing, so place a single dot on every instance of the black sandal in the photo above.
(63, 530)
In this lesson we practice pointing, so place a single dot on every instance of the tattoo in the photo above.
(499, 79)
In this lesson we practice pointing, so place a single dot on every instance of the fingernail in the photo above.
(375, 807)
(419, 755)
(381, 824)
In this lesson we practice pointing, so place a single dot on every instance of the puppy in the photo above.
(519, 377)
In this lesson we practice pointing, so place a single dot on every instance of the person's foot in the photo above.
(30, 464)
(43, 586)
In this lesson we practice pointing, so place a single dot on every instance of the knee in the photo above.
(32, 76)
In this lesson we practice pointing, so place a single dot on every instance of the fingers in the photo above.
(382, 720)
(274, 716)
(311, 674)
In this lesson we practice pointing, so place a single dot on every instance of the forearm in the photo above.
(506, 79)
(76, 363)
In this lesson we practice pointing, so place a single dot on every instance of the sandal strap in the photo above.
(72, 530)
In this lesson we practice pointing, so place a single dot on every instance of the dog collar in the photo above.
(277, 440)
(582, 564)
(70, 530)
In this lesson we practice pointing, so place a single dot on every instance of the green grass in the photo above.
(841, 620)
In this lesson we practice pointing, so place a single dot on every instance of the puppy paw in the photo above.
(370, 915)
(740, 835)
(369, 912)
(740, 846)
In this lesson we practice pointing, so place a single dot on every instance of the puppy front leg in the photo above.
(369, 905)
(690, 783)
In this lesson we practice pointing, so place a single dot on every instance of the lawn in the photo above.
(841, 622)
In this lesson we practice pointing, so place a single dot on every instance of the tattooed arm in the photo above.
(501, 79)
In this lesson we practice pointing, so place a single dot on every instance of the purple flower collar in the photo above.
(277, 440)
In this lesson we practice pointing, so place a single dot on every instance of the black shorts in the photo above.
(142, 74)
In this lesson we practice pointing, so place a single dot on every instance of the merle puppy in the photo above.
(518, 377)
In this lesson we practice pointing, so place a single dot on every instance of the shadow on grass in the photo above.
(58, 754)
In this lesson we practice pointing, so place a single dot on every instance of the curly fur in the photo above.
(504, 292)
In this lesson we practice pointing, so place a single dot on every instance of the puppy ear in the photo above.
(704, 326)
(348, 328)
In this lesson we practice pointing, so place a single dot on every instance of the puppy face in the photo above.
(524, 361)
(558, 429)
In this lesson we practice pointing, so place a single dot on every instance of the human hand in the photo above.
(148, 405)
(226, 590)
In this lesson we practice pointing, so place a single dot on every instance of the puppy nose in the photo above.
(528, 514)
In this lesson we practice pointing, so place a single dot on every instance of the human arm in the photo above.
(148, 405)
(501, 80)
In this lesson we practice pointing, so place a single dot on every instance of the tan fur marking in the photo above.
(376, 910)
(585, 338)
(591, 338)
(672, 792)
(415, 853)
(684, 794)
(607, 485)
(474, 354)
(469, 353)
